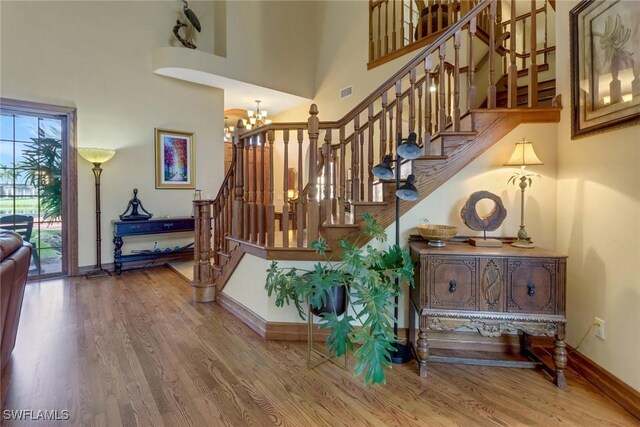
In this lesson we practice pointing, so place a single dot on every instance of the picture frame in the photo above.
(175, 161)
(605, 70)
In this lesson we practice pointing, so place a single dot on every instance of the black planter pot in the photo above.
(336, 301)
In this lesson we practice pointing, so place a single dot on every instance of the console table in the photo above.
(492, 290)
(150, 226)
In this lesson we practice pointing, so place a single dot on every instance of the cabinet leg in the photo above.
(422, 348)
(560, 357)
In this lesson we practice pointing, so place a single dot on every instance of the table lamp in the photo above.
(523, 155)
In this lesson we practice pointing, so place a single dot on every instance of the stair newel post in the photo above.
(442, 107)
(327, 211)
(313, 222)
(427, 106)
(270, 208)
(355, 161)
(533, 51)
(512, 71)
(383, 125)
(202, 287)
(343, 176)
(370, 132)
(254, 192)
(238, 202)
(285, 191)
(246, 211)
(300, 213)
(412, 101)
(457, 38)
(262, 199)
(398, 108)
(491, 90)
(472, 64)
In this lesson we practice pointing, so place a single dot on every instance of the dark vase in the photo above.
(336, 301)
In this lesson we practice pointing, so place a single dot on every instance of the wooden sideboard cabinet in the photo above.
(492, 290)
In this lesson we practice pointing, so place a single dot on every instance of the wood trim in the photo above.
(132, 265)
(69, 176)
(248, 317)
(290, 331)
(472, 341)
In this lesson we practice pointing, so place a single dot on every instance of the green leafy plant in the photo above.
(369, 276)
(42, 168)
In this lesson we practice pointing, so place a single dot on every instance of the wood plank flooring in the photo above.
(132, 350)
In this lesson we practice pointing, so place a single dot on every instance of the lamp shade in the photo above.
(383, 170)
(408, 191)
(523, 155)
(409, 149)
(96, 155)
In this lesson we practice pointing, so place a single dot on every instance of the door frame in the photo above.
(69, 174)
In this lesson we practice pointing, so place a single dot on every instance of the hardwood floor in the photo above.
(132, 350)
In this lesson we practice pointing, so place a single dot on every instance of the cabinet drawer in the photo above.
(452, 283)
(532, 286)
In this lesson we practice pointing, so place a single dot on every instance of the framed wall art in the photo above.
(605, 66)
(175, 165)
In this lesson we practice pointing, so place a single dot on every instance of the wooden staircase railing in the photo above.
(433, 95)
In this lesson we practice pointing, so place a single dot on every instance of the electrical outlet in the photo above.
(599, 328)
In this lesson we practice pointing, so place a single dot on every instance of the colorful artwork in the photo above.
(174, 159)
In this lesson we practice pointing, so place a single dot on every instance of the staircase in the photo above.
(438, 95)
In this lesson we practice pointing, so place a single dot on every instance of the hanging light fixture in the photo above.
(228, 130)
(409, 149)
(256, 118)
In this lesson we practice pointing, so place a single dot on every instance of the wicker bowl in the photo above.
(437, 234)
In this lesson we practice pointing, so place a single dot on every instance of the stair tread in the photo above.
(458, 133)
(370, 203)
(433, 157)
(341, 226)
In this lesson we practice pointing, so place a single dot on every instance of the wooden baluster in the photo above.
(313, 222)
(328, 202)
(442, 109)
(451, 7)
(222, 218)
(394, 36)
(334, 185)
(217, 238)
(512, 71)
(398, 108)
(420, 24)
(343, 175)
(285, 191)
(436, 97)
(386, 27)
(420, 136)
(389, 147)
(254, 192)
(429, 17)
(524, 45)
(472, 64)
(370, 154)
(412, 100)
(371, 47)
(533, 66)
(465, 7)
(411, 39)
(383, 125)
(427, 105)
(361, 145)
(203, 288)
(229, 197)
(440, 24)
(491, 90)
(238, 202)
(401, 23)
(457, 38)
(546, 31)
(449, 94)
(261, 194)
(355, 160)
(300, 213)
(379, 30)
(499, 19)
(246, 214)
(270, 207)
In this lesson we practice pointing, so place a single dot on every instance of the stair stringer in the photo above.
(491, 126)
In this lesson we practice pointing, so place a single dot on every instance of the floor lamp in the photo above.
(97, 156)
(523, 155)
(405, 149)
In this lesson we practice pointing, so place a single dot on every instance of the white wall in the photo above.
(96, 56)
(598, 227)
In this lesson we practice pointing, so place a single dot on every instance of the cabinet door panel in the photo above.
(492, 274)
(452, 283)
(532, 286)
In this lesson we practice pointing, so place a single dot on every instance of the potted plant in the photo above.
(368, 277)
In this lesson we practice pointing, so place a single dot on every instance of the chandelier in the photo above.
(228, 130)
(256, 118)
